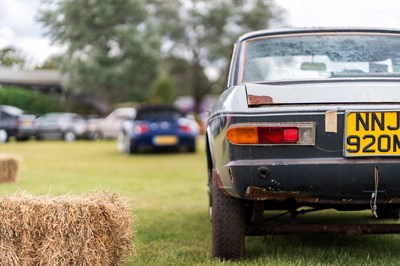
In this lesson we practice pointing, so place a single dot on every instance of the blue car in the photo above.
(158, 128)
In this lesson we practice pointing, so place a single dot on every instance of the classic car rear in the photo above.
(310, 117)
(158, 128)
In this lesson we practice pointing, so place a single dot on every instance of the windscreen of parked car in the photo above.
(322, 56)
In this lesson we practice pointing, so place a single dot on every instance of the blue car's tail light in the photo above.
(185, 128)
(141, 129)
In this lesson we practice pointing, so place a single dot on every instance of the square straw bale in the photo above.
(9, 165)
(91, 229)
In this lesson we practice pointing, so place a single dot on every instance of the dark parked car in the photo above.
(309, 118)
(66, 126)
(158, 128)
(14, 122)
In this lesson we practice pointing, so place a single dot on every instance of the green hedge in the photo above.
(29, 101)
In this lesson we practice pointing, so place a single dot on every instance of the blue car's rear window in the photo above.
(157, 114)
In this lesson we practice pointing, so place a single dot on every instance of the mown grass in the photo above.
(169, 200)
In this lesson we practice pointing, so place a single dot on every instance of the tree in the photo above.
(111, 53)
(179, 69)
(203, 31)
(163, 90)
(28, 100)
(51, 63)
(11, 57)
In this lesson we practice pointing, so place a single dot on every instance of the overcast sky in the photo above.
(18, 26)
(353, 13)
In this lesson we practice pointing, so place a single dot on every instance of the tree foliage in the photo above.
(30, 101)
(203, 31)
(11, 57)
(111, 50)
(163, 90)
(180, 70)
(54, 62)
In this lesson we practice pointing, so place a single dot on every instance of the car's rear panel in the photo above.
(319, 174)
(163, 135)
(26, 126)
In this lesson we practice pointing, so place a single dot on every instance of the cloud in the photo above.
(20, 29)
(18, 25)
(7, 34)
(343, 13)
(20, 16)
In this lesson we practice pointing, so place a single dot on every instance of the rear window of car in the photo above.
(322, 56)
(158, 114)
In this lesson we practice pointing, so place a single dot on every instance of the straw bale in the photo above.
(92, 229)
(9, 165)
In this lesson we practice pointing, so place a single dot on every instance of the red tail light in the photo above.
(300, 134)
(277, 135)
(184, 128)
(141, 129)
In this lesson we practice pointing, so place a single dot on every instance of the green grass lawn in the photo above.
(168, 195)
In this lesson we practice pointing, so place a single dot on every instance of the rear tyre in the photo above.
(124, 143)
(192, 149)
(120, 142)
(3, 136)
(69, 136)
(228, 225)
(96, 136)
(388, 212)
(130, 147)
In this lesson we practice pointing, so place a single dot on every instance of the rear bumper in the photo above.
(326, 181)
(25, 133)
(21, 133)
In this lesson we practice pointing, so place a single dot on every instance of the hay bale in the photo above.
(92, 229)
(8, 167)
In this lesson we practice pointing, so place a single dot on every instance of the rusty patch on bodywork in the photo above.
(255, 100)
(256, 193)
(217, 177)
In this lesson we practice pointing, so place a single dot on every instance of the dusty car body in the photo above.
(309, 117)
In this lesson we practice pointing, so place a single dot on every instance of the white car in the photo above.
(108, 127)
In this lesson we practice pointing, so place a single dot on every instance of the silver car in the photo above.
(66, 126)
